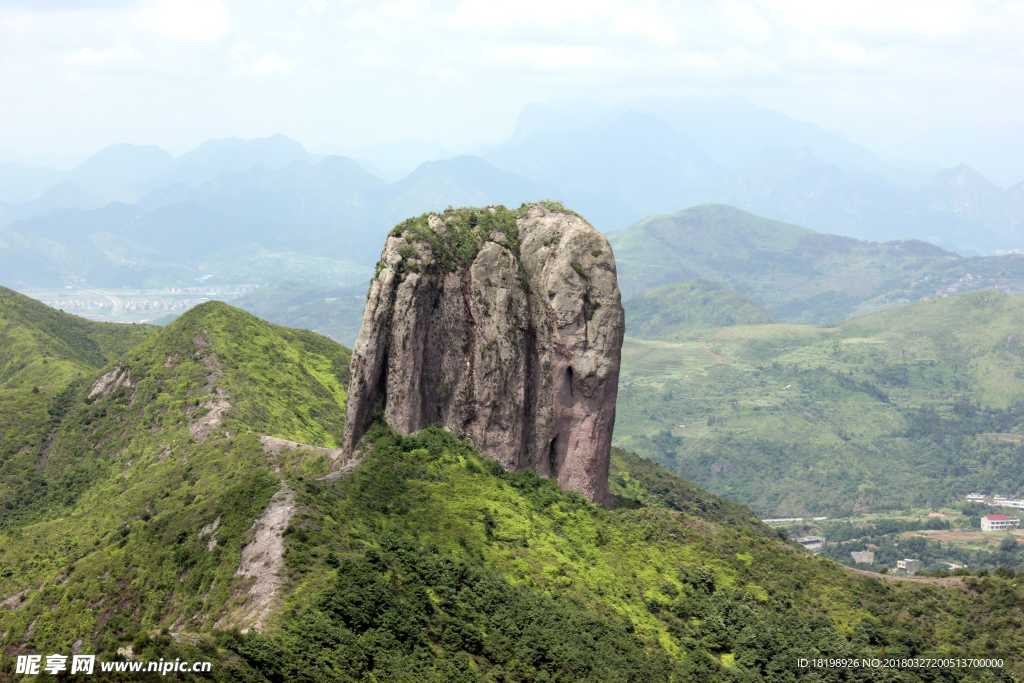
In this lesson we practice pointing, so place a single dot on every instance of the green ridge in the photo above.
(41, 346)
(688, 305)
(42, 351)
(336, 312)
(280, 382)
(798, 275)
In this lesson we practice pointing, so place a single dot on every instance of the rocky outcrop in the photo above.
(505, 327)
(263, 560)
(111, 382)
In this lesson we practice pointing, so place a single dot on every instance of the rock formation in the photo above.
(505, 327)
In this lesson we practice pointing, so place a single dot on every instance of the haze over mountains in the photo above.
(619, 164)
(256, 210)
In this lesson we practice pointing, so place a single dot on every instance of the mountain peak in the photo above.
(122, 164)
(503, 327)
(276, 150)
(962, 176)
(561, 116)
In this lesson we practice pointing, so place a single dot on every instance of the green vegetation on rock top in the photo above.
(550, 205)
(465, 232)
(688, 305)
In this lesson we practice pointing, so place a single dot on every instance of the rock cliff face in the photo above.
(505, 327)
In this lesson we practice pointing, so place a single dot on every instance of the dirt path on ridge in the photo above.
(950, 582)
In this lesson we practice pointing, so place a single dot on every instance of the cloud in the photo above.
(270, 65)
(243, 67)
(114, 57)
(201, 21)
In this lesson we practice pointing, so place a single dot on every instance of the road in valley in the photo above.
(117, 305)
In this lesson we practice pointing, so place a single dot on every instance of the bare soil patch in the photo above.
(263, 559)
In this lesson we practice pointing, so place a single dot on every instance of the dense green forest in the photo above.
(580, 593)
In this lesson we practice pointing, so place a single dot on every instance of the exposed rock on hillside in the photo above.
(263, 559)
(503, 327)
(111, 382)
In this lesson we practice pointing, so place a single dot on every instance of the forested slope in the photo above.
(916, 404)
(425, 561)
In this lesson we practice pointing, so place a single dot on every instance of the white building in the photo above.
(863, 556)
(812, 543)
(999, 523)
(909, 566)
(976, 497)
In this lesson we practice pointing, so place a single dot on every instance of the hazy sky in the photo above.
(928, 80)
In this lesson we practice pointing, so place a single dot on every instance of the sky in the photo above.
(925, 82)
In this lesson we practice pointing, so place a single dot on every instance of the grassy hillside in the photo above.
(159, 520)
(42, 351)
(40, 346)
(917, 404)
(215, 370)
(796, 274)
(468, 573)
(163, 440)
(687, 305)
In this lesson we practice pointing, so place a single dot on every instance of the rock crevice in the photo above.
(503, 327)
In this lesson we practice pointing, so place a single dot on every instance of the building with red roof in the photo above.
(999, 523)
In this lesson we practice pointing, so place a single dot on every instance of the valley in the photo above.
(880, 411)
(132, 306)
(946, 540)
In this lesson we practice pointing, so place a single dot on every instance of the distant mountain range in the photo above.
(243, 209)
(619, 164)
(797, 274)
(329, 217)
